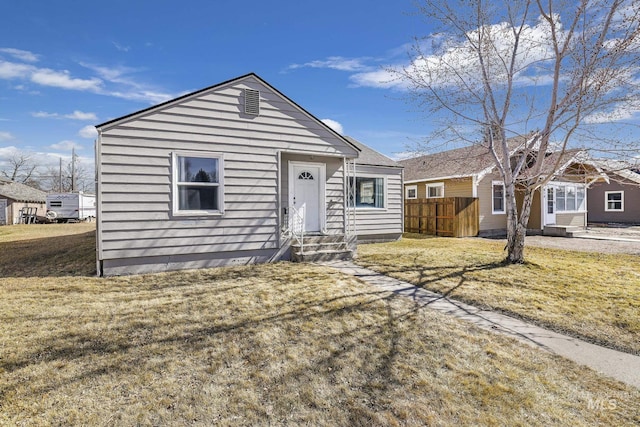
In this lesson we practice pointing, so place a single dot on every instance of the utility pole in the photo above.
(73, 170)
(60, 183)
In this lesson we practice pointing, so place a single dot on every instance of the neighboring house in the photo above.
(15, 197)
(618, 200)
(217, 177)
(471, 172)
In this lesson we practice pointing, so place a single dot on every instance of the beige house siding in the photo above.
(13, 210)
(488, 220)
(387, 223)
(461, 187)
(535, 217)
(458, 187)
(136, 229)
(577, 219)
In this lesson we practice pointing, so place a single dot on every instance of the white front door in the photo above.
(549, 205)
(306, 191)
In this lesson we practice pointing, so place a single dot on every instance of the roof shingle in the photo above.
(21, 192)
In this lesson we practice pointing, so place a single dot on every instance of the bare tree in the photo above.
(550, 70)
(20, 166)
(68, 177)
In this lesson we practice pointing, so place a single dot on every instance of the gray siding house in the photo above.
(617, 200)
(378, 218)
(214, 178)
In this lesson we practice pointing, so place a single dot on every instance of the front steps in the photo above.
(562, 230)
(321, 248)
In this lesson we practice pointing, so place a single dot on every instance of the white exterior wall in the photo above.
(387, 223)
(136, 229)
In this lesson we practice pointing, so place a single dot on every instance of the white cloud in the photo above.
(336, 63)
(88, 132)
(63, 79)
(121, 48)
(76, 115)
(44, 115)
(5, 136)
(333, 125)
(12, 70)
(80, 115)
(110, 81)
(615, 113)
(22, 55)
(125, 86)
(383, 79)
(66, 145)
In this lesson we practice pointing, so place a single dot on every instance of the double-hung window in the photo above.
(369, 192)
(411, 192)
(614, 201)
(198, 184)
(497, 197)
(435, 190)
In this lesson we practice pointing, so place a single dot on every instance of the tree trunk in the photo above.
(517, 228)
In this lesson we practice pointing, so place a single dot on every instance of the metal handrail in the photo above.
(295, 225)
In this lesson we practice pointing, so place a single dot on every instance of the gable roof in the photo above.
(457, 163)
(370, 157)
(617, 167)
(21, 192)
(477, 160)
(115, 122)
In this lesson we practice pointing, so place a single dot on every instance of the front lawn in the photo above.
(589, 295)
(276, 344)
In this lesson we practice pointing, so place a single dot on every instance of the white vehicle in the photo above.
(65, 207)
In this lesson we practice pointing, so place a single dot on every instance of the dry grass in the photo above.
(278, 344)
(47, 250)
(590, 295)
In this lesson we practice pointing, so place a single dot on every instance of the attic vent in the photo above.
(252, 102)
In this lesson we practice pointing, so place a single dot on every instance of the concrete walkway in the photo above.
(619, 365)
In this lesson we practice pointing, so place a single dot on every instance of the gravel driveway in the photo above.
(595, 239)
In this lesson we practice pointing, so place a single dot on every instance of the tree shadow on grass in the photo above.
(98, 351)
(71, 255)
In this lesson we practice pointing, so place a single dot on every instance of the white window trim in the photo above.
(384, 183)
(558, 184)
(406, 191)
(174, 183)
(504, 199)
(435, 185)
(606, 201)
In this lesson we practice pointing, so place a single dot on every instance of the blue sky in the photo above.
(68, 65)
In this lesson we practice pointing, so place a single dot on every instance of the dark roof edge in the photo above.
(171, 101)
(197, 92)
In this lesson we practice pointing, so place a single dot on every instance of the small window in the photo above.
(435, 190)
(197, 185)
(305, 176)
(55, 203)
(498, 198)
(369, 193)
(411, 192)
(614, 201)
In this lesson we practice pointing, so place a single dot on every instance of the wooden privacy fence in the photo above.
(445, 216)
